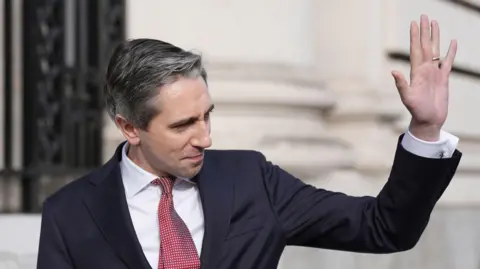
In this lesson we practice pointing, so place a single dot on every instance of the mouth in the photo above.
(195, 158)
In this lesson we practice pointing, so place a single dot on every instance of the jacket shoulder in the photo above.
(73, 192)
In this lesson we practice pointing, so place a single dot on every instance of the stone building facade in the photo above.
(308, 83)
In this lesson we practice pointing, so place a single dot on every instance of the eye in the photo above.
(207, 115)
(182, 127)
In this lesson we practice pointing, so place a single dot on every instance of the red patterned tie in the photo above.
(177, 250)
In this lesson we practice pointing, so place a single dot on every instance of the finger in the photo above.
(448, 62)
(400, 82)
(425, 38)
(435, 33)
(415, 46)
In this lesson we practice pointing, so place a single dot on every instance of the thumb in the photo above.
(400, 82)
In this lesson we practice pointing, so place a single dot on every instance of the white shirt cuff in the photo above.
(444, 148)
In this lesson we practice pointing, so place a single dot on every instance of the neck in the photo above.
(135, 154)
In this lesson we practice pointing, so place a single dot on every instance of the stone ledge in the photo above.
(17, 229)
(305, 155)
(270, 93)
(19, 239)
(11, 260)
(287, 74)
(362, 103)
(372, 143)
(260, 125)
(267, 84)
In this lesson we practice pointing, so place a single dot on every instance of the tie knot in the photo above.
(166, 183)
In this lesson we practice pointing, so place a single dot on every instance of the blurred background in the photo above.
(311, 77)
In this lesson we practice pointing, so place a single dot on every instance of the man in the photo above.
(164, 201)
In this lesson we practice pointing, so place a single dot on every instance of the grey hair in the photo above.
(136, 71)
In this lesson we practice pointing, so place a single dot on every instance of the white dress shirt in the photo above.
(143, 197)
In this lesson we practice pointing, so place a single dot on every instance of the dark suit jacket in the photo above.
(252, 209)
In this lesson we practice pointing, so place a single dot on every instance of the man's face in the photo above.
(175, 139)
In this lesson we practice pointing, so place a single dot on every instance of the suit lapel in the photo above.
(216, 191)
(108, 206)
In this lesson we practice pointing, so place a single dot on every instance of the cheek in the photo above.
(174, 142)
(166, 141)
(154, 142)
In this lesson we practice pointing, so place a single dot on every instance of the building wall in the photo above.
(312, 79)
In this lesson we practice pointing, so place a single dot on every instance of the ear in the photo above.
(130, 132)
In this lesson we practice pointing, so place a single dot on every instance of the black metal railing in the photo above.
(65, 48)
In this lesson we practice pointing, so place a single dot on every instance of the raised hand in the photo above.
(426, 97)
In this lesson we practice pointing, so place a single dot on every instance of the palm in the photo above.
(426, 98)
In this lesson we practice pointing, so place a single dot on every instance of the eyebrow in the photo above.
(190, 119)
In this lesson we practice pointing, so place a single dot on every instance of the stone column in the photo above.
(350, 41)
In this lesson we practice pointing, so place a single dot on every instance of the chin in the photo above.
(189, 172)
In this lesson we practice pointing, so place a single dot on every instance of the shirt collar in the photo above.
(135, 178)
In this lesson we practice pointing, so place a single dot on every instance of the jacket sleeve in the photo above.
(52, 251)
(391, 222)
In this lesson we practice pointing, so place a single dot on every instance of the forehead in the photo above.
(185, 97)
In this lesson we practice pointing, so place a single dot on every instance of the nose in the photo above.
(202, 138)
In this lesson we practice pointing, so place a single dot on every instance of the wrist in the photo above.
(425, 132)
